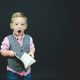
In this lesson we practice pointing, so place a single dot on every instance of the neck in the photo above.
(18, 35)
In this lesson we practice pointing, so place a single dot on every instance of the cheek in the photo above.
(25, 27)
(15, 29)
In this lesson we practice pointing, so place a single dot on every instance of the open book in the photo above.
(27, 60)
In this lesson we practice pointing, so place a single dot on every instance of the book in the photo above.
(26, 59)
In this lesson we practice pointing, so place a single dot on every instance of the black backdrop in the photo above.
(52, 24)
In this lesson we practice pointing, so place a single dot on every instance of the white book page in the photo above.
(27, 60)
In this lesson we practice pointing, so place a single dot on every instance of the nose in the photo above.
(19, 26)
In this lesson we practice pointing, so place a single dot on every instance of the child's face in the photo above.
(18, 25)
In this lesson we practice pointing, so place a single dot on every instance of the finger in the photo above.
(14, 54)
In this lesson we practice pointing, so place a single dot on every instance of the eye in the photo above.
(22, 24)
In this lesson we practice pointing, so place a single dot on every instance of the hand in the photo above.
(7, 53)
(32, 55)
(11, 53)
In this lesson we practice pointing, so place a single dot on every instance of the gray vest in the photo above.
(13, 62)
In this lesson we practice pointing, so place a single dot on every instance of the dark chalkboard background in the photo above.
(54, 26)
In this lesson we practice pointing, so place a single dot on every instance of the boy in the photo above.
(17, 43)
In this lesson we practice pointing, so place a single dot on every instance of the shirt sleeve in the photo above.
(31, 43)
(5, 44)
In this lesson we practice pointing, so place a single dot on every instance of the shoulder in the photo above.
(27, 35)
(9, 36)
(6, 39)
(30, 37)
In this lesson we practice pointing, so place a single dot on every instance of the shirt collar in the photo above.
(20, 37)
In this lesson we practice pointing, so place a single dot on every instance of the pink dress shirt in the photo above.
(5, 46)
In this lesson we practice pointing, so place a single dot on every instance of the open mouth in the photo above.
(19, 31)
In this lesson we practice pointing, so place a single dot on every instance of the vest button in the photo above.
(21, 50)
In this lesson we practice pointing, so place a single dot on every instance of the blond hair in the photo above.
(18, 14)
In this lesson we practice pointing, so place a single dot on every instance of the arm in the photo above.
(31, 53)
(7, 53)
(32, 48)
(5, 48)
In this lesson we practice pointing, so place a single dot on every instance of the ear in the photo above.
(11, 26)
(25, 27)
